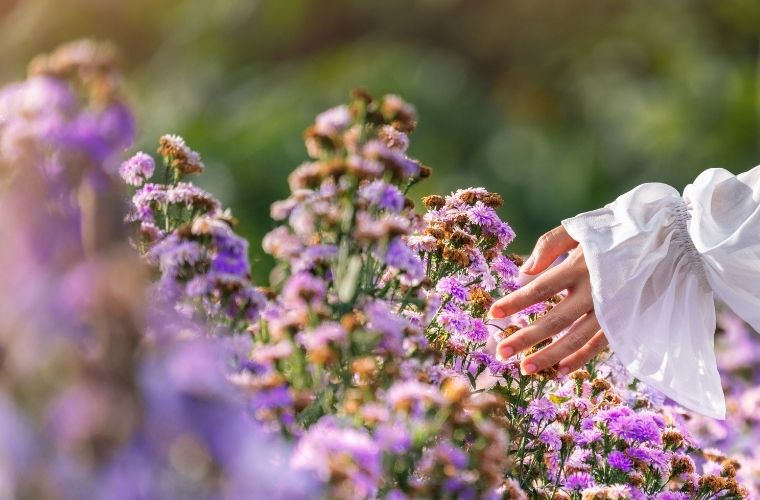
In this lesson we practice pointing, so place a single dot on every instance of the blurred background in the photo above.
(559, 106)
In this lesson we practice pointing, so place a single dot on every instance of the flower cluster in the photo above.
(92, 405)
(186, 235)
(375, 352)
(365, 370)
(731, 444)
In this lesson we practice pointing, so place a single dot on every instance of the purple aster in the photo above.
(451, 286)
(500, 368)
(192, 197)
(230, 253)
(393, 437)
(619, 460)
(482, 215)
(542, 409)
(551, 437)
(323, 335)
(400, 257)
(333, 121)
(404, 166)
(137, 169)
(481, 358)
(326, 441)
(383, 195)
(173, 253)
(280, 243)
(312, 256)
(269, 399)
(303, 289)
(579, 481)
(145, 201)
(478, 332)
(638, 428)
(672, 495)
(504, 267)
(534, 309)
(455, 321)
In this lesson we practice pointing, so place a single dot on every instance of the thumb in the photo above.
(548, 247)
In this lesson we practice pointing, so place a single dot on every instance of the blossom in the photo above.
(183, 159)
(303, 289)
(542, 409)
(331, 450)
(137, 169)
(579, 480)
(620, 461)
(333, 121)
(383, 196)
(451, 286)
(637, 427)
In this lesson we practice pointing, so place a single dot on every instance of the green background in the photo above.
(558, 105)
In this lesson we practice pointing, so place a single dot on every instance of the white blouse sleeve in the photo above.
(657, 260)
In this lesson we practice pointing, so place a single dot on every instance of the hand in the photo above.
(584, 339)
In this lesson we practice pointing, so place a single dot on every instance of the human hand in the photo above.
(584, 339)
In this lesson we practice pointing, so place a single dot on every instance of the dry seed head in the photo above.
(600, 385)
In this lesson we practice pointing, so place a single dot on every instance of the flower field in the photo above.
(139, 360)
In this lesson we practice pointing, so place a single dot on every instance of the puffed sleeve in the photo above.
(658, 260)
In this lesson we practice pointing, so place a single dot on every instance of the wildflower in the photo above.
(636, 427)
(136, 170)
(579, 481)
(340, 454)
(620, 461)
(452, 287)
(303, 289)
(183, 159)
(542, 409)
(383, 196)
(333, 121)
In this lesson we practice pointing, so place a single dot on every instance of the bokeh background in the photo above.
(559, 106)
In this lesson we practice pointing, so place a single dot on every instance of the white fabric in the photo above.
(657, 260)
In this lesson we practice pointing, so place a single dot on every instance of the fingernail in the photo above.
(527, 265)
(506, 351)
(528, 369)
(496, 313)
(564, 371)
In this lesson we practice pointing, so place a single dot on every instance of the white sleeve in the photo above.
(657, 260)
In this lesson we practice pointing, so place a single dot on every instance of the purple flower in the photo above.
(499, 368)
(326, 333)
(619, 460)
(579, 481)
(483, 215)
(333, 121)
(303, 289)
(403, 259)
(269, 399)
(639, 428)
(394, 437)
(327, 443)
(481, 358)
(552, 438)
(455, 321)
(672, 495)
(451, 286)
(542, 409)
(504, 267)
(136, 170)
(382, 195)
(477, 332)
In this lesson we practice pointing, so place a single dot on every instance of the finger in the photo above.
(563, 315)
(548, 247)
(579, 358)
(574, 340)
(542, 288)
